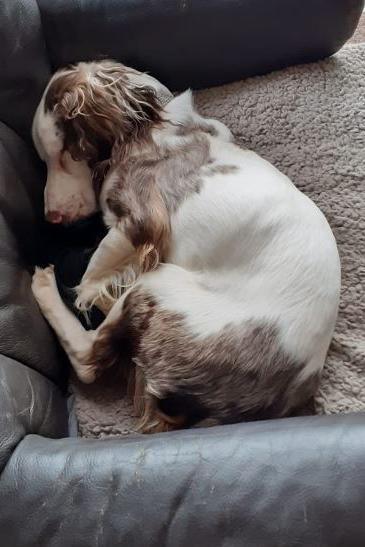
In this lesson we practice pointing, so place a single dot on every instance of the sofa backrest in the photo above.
(25, 68)
(185, 43)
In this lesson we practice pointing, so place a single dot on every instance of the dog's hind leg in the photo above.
(77, 342)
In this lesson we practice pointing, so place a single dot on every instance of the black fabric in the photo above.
(285, 482)
(69, 249)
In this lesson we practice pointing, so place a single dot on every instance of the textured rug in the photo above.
(309, 121)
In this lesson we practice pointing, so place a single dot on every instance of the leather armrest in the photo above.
(29, 403)
(298, 481)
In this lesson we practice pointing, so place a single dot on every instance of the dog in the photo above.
(218, 278)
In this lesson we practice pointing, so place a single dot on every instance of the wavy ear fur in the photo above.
(149, 230)
(138, 204)
(99, 105)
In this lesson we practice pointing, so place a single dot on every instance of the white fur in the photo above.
(248, 246)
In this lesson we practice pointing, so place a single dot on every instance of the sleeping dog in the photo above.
(219, 279)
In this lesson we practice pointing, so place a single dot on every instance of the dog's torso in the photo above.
(237, 321)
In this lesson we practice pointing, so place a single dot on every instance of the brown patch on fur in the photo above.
(150, 186)
(221, 169)
(172, 172)
(189, 128)
(98, 106)
(116, 205)
(240, 374)
(305, 400)
(152, 419)
(99, 172)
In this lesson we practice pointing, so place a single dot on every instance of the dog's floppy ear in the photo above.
(101, 105)
(137, 201)
(151, 233)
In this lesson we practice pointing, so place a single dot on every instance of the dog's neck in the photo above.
(177, 113)
(180, 110)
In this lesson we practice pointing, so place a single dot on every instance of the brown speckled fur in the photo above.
(241, 374)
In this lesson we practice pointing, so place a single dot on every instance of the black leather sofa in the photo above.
(298, 481)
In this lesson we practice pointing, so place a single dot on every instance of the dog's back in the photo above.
(236, 324)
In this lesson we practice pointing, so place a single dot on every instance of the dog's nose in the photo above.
(54, 216)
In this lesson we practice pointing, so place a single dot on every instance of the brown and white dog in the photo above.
(219, 279)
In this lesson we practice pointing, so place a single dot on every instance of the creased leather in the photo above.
(29, 403)
(24, 334)
(285, 482)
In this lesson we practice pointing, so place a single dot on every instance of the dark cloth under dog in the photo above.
(69, 249)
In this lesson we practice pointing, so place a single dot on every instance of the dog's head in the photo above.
(87, 110)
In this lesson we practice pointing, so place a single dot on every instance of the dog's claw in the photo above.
(87, 293)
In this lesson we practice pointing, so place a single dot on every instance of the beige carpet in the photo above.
(309, 121)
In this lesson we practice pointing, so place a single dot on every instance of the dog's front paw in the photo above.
(44, 286)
